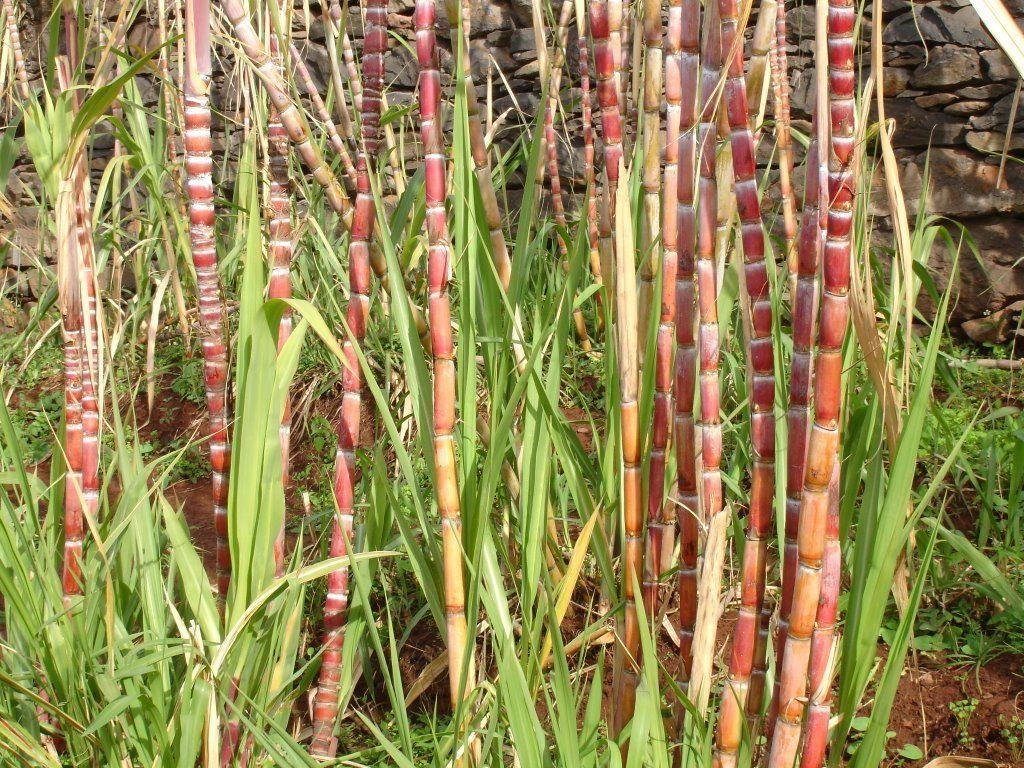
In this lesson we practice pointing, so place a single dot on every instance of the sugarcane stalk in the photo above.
(11, 14)
(616, 14)
(684, 22)
(761, 375)
(349, 168)
(346, 469)
(760, 48)
(460, 663)
(71, 302)
(553, 171)
(290, 115)
(333, 29)
(824, 638)
(798, 419)
(651, 177)
(589, 175)
(281, 252)
(708, 340)
(659, 525)
(199, 185)
(77, 299)
(611, 128)
(627, 655)
(779, 76)
(625, 678)
(295, 124)
(478, 148)
(823, 442)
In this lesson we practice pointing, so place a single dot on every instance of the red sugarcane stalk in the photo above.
(779, 76)
(798, 419)
(824, 437)
(439, 265)
(19, 57)
(199, 183)
(554, 175)
(349, 57)
(589, 175)
(82, 342)
(822, 641)
(281, 252)
(346, 470)
(611, 123)
(349, 168)
(651, 177)
(658, 523)
(71, 301)
(686, 25)
(762, 395)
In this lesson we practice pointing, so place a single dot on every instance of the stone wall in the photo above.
(948, 88)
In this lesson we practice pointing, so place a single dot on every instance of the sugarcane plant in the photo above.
(346, 470)
(668, 235)
(202, 240)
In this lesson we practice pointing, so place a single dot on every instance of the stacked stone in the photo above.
(946, 85)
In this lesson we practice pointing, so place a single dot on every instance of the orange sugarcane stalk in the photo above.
(824, 437)
(625, 678)
(779, 76)
(439, 266)
(651, 177)
(798, 419)
(346, 469)
(819, 677)
(659, 525)
(761, 365)
(551, 147)
(281, 252)
(17, 53)
(684, 22)
(324, 115)
(478, 148)
(199, 185)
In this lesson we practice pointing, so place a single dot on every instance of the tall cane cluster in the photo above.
(692, 187)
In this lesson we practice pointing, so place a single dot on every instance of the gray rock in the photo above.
(948, 66)
(965, 109)
(906, 56)
(934, 100)
(997, 66)
(999, 116)
(917, 127)
(960, 185)
(894, 81)
(993, 142)
(987, 280)
(931, 24)
(989, 91)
